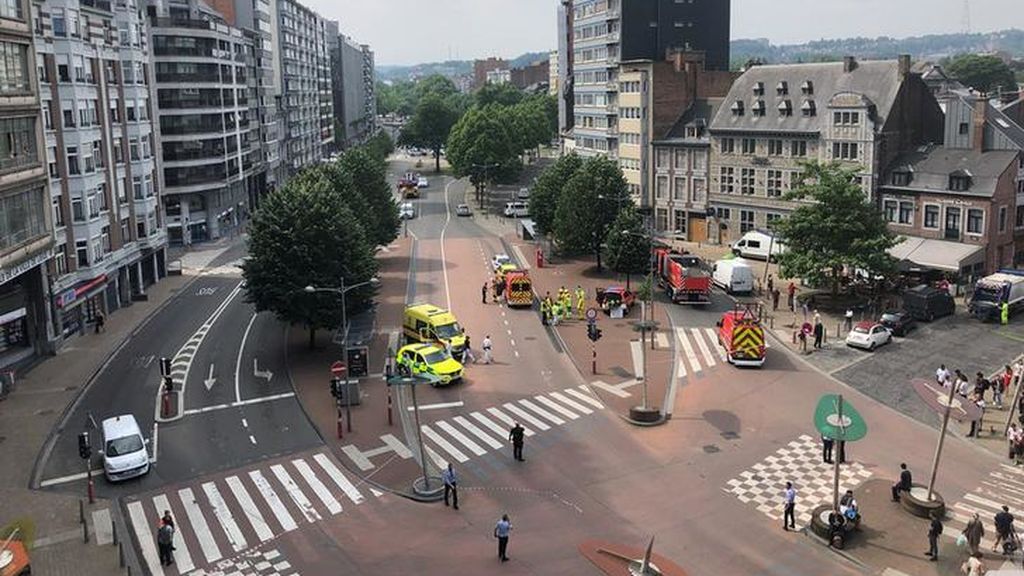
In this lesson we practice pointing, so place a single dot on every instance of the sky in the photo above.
(416, 31)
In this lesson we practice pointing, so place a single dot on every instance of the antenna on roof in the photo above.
(966, 22)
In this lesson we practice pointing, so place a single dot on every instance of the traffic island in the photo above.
(428, 489)
(917, 502)
(645, 416)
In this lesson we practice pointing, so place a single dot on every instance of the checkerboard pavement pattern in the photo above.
(252, 563)
(798, 462)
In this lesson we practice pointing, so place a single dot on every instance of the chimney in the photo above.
(979, 104)
(849, 64)
(904, 66)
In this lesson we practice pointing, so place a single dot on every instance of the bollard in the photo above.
(120, 554)
(85, 532)
(81, 511)
(113, 532)
(390, 422)
(340, 425)
(839, 327)
(794, 336)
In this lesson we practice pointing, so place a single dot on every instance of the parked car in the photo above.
(868, 335)
(612, 296)
(500, 260)
(927, 303)
(463, 210)
(516, 210)
(899, 322)
(422, 182)
(523, 194)
(406, 211)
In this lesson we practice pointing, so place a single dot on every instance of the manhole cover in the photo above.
(730, 435)
(711, 448)
(44, 412)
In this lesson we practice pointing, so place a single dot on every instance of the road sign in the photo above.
(936, 397)
(338, 368)
(826, 420)
(591, 314)
(358, 361)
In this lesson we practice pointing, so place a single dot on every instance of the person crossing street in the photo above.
(486, 347)
(515, 435)
(451, 486)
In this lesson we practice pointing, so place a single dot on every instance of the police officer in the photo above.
(515, 435)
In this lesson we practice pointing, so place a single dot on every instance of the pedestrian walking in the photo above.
(1004, 528)
(849, 320)
(483, 293)
(1004, 314)
(1013, 434)
(581, 301)
(1002, 386)
(962, 386)
(501, 531)
(168, 519)
(791, 292)
(826, 449)
(775, 300)
(934, 531)
(979, 401)
(974, 565)
(467, 353)
(974, 532)
(99, 321)
(942, 376)
(819, 333)
(515, 435)
(906, 482)
(771, 284)
(981, 385)
(817, 317)
(451, 486)
(165, 543)
(486, 347)
(788, 507)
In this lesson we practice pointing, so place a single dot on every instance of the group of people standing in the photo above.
(976, 393)
(554, 310)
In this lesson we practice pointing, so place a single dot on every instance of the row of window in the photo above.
(88, 113)
(902, 212)
(89, 158)
(595, 30)
(773, 147)
(94, 250)
(774, 183)
(684, 159)
(593, 77)
(683, 189)
(22, 217)
(17, 143)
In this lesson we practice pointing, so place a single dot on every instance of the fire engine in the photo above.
(683, 276)
(518, 288)
(741, 334)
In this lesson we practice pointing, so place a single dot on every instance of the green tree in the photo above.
(838, 228)
(307, 234)
(497, 93)
(380, 146)
(376, 204)
(547, 190)
(482, 147)
(435, 84)
(396, 98)
(430, 125)
(982, 72)
(589, 204)
(627, 245)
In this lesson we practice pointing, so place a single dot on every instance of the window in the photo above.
(1019, 220)
(747, 181)
(17, 143)
(1002, 219)
(73, 167)
(126, 230)
(728, 145)
(93, 204)
(699, 160)
(846, 118)
(737, 108)
(90, 163)
(664, 159)
(82, 253)
(681, 162)
(679, 222)
(59, 22)
(807, 88)
(679, 189)
(771, 217)
(746, 220)
(51, 162)
(723, 214)
(122, 191)
(73, 23)
(77, 209)
(782, 88)
(79, 61)
(959, 182)
(105, 239)
(844, 150)
(798, 148)
(58, 212)
(97, 153)
(133, 149)
(773, 183)
(749, 146)
(901, 178)
(137, 187)
(11, 9)
(931, 216)
(14, 77)
(60, 260)
(964, 128)
(115, 112)
(118, 151)
(661, 219)
(727, 179)
(952, 223)
(975, 220)
(68, 113)
(130, 110)
(889, 207)
(775, 147)
(906, 213)
(47, 115)
(661, 187)
(699, 194)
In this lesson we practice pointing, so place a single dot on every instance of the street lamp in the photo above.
(644, 325)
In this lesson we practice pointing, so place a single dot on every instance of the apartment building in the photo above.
(26, 217)
(352, 86)
(303, 66)
(861, 114)
(96, 92)
(482, 67)
(211, 155)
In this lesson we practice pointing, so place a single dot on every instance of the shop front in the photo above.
(79, 305)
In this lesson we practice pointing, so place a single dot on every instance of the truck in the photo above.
(408, 186)
(683, 276)
(741, 334)
(992, 291)
(518, 288)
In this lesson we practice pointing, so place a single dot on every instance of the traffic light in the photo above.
(165, 366)
(336, 387)
(168, 384)
(84, 449)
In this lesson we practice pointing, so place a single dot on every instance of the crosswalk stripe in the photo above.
(305, 506)
(543, 413)
(680, 369)
(462, 438)
(690, 354)
(709, 359)
(474, 430)
(637, 353)
(252, 513)
(608, 388)
(713, 340)
(661, 339)
(340, 479)
(503, 433)
(284, 518)
(441, 463)
(983, 501)
(556, 407)
(443, 444)
(586, 397)
(182, 558)
(199, 525)
(318, 487)
(224, 517)
(570, 402)
(525, 416)
(147, 540)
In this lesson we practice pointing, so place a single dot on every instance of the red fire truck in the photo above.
(683, 276)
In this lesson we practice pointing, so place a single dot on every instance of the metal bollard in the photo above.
(85, 532)
(839, 327)
(120, 554)
(113, 532)
(81, 511)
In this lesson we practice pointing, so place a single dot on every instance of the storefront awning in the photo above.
(937, 254)
(82, 288)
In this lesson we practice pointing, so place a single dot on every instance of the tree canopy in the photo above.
(547, 190)
(627, 245)
(502, 93)
(483, 137)
(839, 228)
(431, 123)
(380, 146)
(375, 202)
(982, 72)
(590, 202)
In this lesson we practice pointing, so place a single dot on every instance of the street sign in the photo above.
(338, 368)
(591, 315)
(826, 420)
(358, 361)
(936, 397)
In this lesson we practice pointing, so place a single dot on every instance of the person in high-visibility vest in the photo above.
(1005, 313)
(545, 309)
(581, 301)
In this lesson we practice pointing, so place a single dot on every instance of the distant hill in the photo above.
(449, 68)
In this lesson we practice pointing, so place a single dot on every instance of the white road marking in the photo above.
(526, 416)
(238, 361)
(709, 359)
(476, 431)
(609, 388)
(147, 541)
(661, 339)
(69, 478)
(199, 526)
(435, 457)
(396, 446)
(181, 557)
(318, 487)
(557, 407)
(259, 400)
(305, 506)
(636, 351)
(443, 444)
(462, 438)
(252, 439)
(156, 440)
(713, 339)
(513, 342)
(340, 479)
(245, 423)
(224, 516)
(103, 526)
(437, 406)
(356, 456)
(544, 413)
(586, 397)
(284, 518)
(502, 432)
(680, 369)
(252, 513)
(690, 354)
(570, 402)
(516, 352)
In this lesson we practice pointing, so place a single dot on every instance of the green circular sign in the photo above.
(850, 427)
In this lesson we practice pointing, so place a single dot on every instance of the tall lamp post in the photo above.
(310, 289)
(645, 413)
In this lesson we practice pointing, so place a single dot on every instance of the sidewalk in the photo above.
(31, 411)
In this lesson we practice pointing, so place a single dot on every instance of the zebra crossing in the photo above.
(699, 351)
(1004, 486)
(218, 519)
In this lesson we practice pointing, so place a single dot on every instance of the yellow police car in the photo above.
(428, 361)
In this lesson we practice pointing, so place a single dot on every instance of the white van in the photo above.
(734, 276)
(756, 244)
(124, 449)
(516, 210)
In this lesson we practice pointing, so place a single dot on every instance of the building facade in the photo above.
(97, 101)
(482, 67)
(860, 114)
(26, 214)
(352, 85)
(532, 76)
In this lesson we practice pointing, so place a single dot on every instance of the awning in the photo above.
(72, 294)
(937, 254)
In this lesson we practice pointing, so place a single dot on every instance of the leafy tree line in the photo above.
(321, 229)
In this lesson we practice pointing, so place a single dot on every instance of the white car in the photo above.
(463, 210)
(124, 449)
(523, 194)
(868, 335)
(422, 182)
(406, 211)
(500, 260)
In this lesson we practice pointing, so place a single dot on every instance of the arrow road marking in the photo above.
(267, 374)
(210, 380)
